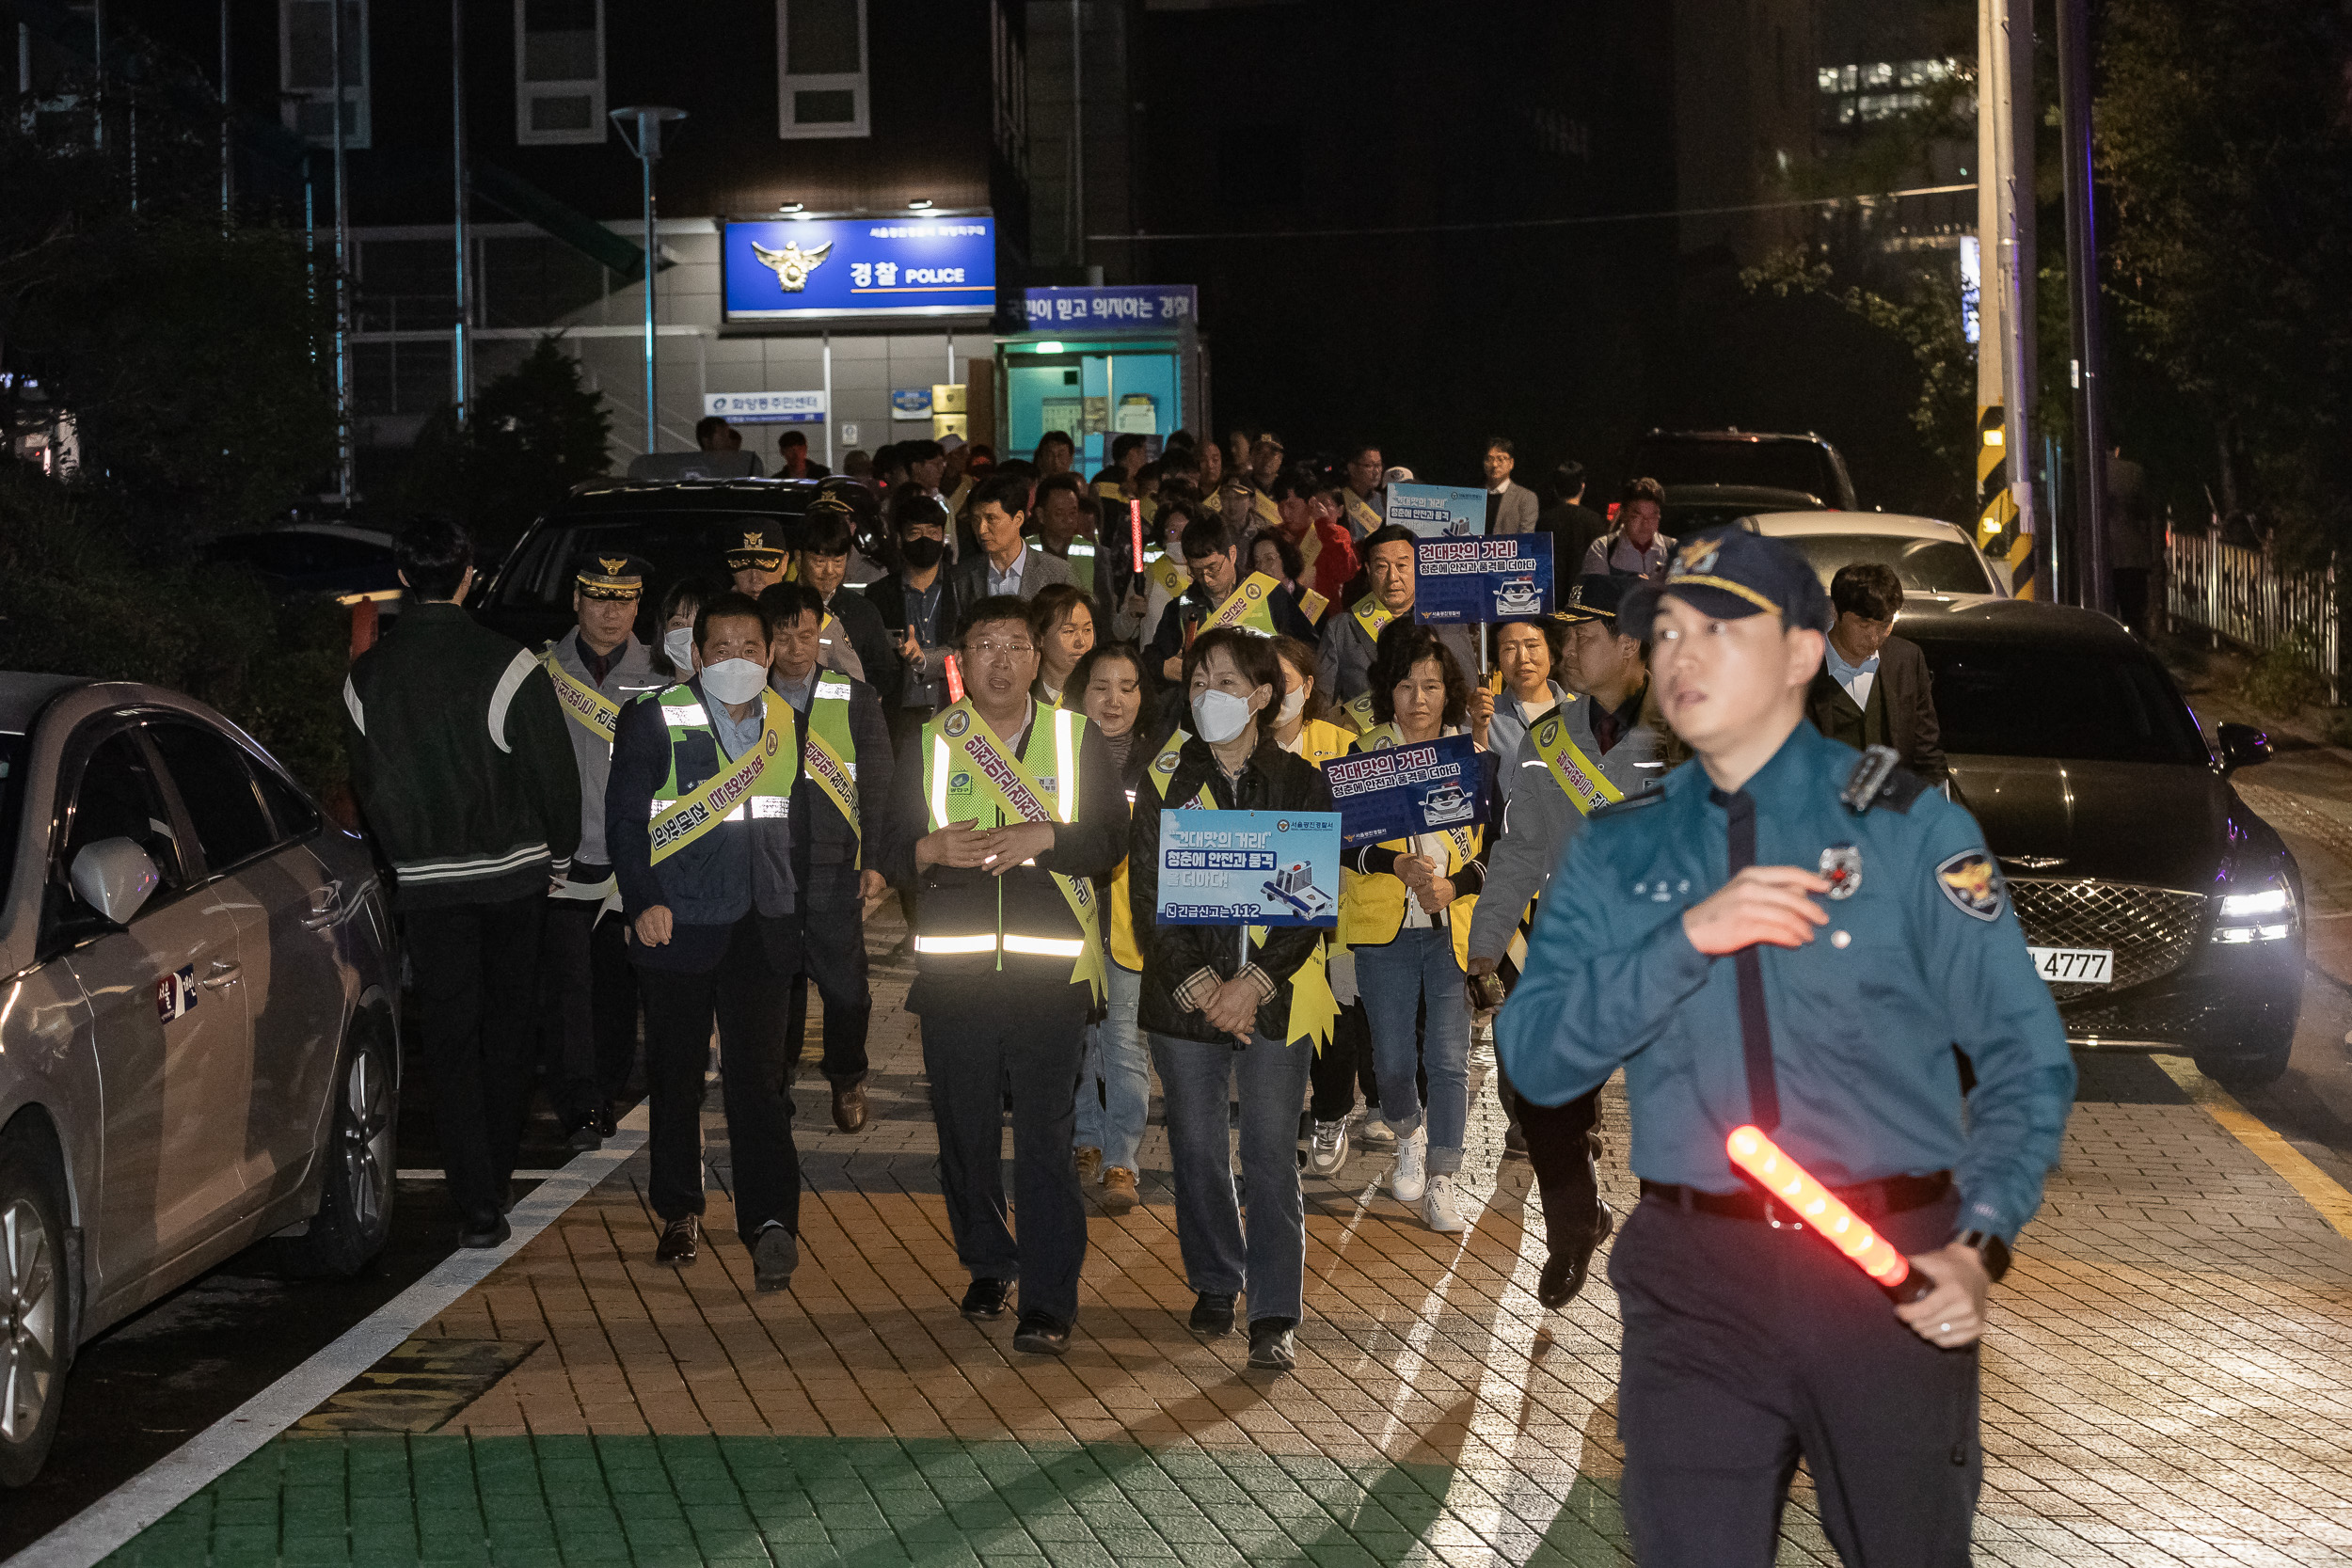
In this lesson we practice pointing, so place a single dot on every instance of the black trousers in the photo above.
(979, 1037)
(475, 966)
(744, 995)
(833, 947)
(1563, 1148)
(1343, 1067)
(588, 1016)
(1746, 1347)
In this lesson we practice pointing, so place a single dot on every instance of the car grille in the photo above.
(2152, 930)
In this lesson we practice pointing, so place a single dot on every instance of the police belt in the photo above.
(1894, 1195)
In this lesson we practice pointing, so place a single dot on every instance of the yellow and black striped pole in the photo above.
(1998, 531)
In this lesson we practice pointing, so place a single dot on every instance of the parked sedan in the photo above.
(200, 1042)
(2163, 912)
(1932, 558)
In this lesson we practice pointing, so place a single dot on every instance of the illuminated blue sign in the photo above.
(920, 265)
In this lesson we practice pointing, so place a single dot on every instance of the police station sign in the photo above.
(1153, 308)
(824, 268)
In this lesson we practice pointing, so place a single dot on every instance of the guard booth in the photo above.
(1102, 363)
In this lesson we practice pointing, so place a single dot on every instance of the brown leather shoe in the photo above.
(679, 1239)
(1119, 1190)
(849, 1106)
(1089, 1167)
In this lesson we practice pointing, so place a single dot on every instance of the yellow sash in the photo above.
(1261, 506)
(589, 708)
(833, 772)
(1372, 616)
(693, 814)
(1170, 575)
(1358, 711)
(1311, 605)
(1246, 606)
(1360, 513)
(1019, 797)
(1576, 774)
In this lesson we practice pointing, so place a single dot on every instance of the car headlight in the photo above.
(2266, 915)
(2250, 906)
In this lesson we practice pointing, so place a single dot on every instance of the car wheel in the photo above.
(2247, 1072)
(34, 1285)
(354, 1215)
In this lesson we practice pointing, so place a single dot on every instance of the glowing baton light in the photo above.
(954, 681)
(1822, 1209)
(1135, 530)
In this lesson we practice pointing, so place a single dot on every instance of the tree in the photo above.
(536, 432)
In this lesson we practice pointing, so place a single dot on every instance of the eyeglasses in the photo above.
(1006, 651)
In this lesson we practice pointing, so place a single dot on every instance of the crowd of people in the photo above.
(981, 685)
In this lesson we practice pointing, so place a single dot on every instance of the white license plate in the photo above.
(2074, 966)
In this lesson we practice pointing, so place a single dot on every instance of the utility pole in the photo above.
(648, 121)
(2006, 521)
(343, 455)
(461, 371)
(2082, 287)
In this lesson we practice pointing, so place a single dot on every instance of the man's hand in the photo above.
(1136, 604)
(872, 890)
(1763, 904)
(958, 843)
(1008, 845)
(653, 926)
(1951, 1315)
(1435, 893)
(1234, 1007)
(909, 648)
(1481, 966)
(1172, 667)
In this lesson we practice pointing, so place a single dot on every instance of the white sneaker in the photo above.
(1436, 1206)
(1328, 1151)
(1409, 1177)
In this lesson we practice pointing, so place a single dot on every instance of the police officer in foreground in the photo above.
(588, 987)
(1570, 763)
(1787, 935)
(1020, 809)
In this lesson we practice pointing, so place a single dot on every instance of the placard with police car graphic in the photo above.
(1404, 790)
(1263, 867)
(1465, 582)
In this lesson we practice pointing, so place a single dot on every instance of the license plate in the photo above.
(2074, 966)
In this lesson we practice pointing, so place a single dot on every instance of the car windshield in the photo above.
(1775, 465)
(1923, 566)
(2084, 705)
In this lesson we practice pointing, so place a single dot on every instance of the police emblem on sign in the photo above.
(1972, 883)
(956, 724)
(1841, 867)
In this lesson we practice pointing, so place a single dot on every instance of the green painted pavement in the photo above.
(388, 1500)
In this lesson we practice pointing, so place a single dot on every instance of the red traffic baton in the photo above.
(1791, 1184)
(1135, 530)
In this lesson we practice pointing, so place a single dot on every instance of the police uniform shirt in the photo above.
(1923, 954)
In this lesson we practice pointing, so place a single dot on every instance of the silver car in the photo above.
(199, 1024)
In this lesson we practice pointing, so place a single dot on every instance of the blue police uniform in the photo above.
(1748, 1341)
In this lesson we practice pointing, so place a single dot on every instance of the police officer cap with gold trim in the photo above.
(1728, 574)
(612, 576)
(1595, 596)
(761, 546)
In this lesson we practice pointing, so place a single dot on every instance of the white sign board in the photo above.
(767, 407)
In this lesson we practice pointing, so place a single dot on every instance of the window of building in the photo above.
(559, 71)
(821, 68)
(305, 70)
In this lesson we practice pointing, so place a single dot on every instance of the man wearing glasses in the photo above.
(1020, 809)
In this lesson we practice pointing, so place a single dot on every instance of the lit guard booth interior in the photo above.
(1101, 363)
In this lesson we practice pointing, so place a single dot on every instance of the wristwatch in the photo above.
(1989, 1247)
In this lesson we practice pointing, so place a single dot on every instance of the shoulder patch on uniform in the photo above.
(1973, 883)
(1631, 802)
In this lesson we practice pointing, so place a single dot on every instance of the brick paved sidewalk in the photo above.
(2169, 1381)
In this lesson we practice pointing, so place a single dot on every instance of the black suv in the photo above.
(2164, 914)
(683, 528)
(1699, 465)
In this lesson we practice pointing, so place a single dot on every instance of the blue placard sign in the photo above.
(1457, 581)
(1263, 867)
(1144, 307)
(925, 265)
(1404, 790)
(1436, 511)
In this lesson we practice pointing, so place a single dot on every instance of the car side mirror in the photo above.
(2242, 746)
(116, 878)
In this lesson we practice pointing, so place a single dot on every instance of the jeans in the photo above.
(1419, 968)
(477, 969)
(1112, 1119)
(1198, 1080)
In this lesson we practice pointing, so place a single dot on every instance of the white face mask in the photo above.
(1292, 705)
(1219, 716)
(678, 645)
(733, 680)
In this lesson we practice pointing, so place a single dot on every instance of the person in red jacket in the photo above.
(1311, 520)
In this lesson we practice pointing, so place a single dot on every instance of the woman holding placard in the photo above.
(1231, 1008)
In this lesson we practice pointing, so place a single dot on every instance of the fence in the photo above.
(2244, 595)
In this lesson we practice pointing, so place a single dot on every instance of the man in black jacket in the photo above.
(1213, 554)
(463, 772)
(697, 817)
(1872, 688)
(823, 564)
(1005, 813)
(844, 762)
(1225, 1013)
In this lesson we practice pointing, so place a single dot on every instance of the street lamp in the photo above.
(647, 122)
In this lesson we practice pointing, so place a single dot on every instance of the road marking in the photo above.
(2318, 1189)
(117, 1518)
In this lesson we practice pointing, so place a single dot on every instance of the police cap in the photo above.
(761, 544)
(612, 576)
(1595, 596)
(1728, 573)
